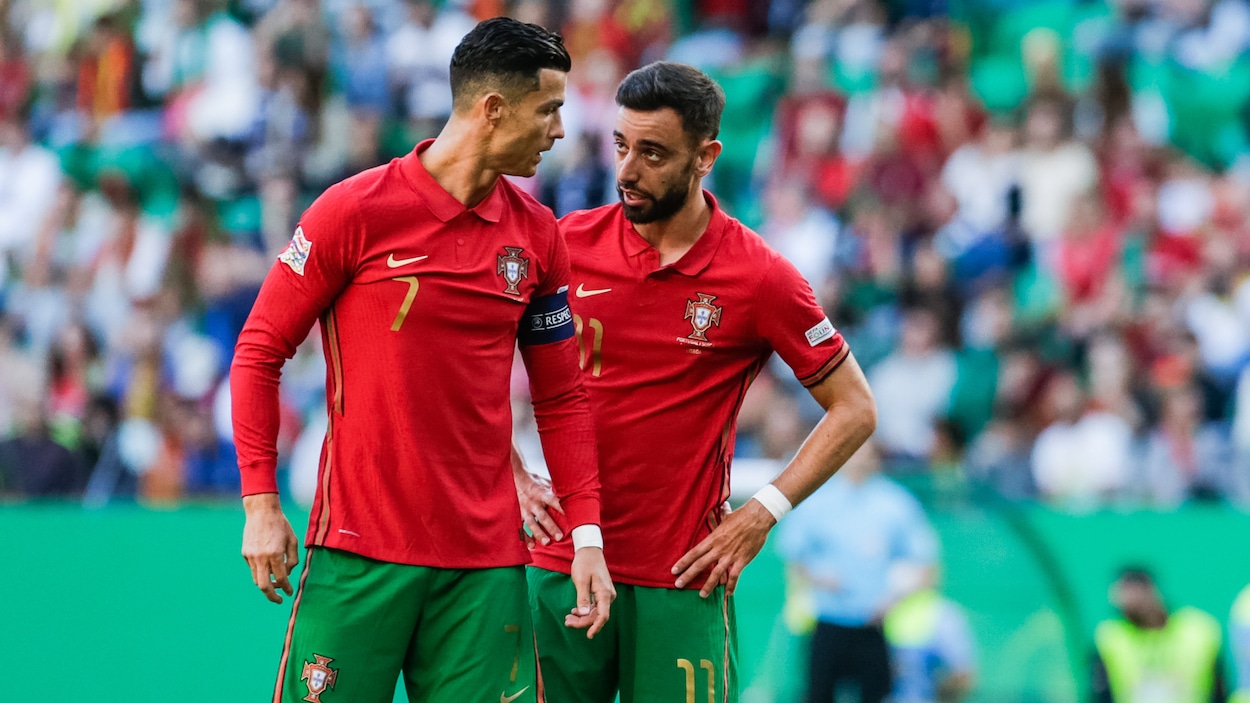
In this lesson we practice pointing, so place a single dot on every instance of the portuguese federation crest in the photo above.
(513, 268)
(702, 315)
(318, 677)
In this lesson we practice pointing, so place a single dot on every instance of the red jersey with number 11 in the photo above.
(668, 353)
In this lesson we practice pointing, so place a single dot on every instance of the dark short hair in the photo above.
(1136, 574)
(506, 55)
(685, 89)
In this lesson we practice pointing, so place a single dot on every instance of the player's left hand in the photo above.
(595, 592)
(728, 550)
(536, 498)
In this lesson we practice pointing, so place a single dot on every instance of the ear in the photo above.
(493, 107)
(709, 151)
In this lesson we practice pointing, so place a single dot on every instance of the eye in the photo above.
(652, 156)
(621, 148)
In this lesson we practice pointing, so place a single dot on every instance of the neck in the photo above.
(676, 235)
(457, 161)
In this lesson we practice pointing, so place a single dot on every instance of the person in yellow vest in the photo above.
(932, 649)
(1151, 655)
(1239, 634)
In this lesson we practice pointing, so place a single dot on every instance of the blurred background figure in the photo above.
(861, 543)
(1239, 636)
(932, 647)
(1149, 653)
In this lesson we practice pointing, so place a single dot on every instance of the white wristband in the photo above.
(774, 501)
(587, 536)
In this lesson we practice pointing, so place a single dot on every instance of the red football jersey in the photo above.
(421, 303)
(668, 353)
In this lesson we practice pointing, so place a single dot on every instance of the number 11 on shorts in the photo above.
(688, 666)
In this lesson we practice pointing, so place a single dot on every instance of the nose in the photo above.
(557, 127)
(626, 172)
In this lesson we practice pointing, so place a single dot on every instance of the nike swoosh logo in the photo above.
(513, 697)
(394, 263)
(583, 293)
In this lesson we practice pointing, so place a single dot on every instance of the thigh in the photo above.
(573, 669)
(680, 647)
(875, 676)
(824, 663)
(474, 641)
(350, 625)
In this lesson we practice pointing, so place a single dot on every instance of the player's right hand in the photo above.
(269, 545)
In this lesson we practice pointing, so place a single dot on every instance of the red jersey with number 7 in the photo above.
(668, 353)
(422, 302)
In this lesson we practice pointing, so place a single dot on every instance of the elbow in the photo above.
(867, 414)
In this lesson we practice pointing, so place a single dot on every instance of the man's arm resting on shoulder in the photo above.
(850, 418)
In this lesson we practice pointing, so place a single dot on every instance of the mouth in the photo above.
(634, 198)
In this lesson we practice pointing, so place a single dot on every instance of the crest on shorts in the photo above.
(702, 315)
(513, 267)
(318, 677)
(296, 253)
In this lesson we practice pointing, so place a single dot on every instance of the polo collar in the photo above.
(693, 262)
(444, 206)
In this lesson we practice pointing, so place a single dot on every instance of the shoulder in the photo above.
(752, 260)
(371, 182)
(523, 211)
(1197, 618)
(586, 225)
(523, 205)
(893, 493)
(349, 195)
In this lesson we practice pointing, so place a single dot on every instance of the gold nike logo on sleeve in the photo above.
(513, 697)
(583, 293)
(392, 262)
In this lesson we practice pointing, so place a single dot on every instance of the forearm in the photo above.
(839, 434)
(566, 428)
(255, 416)
(518, 462)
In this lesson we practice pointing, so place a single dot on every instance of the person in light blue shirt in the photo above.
(864, 543)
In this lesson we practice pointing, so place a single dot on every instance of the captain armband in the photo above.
(546, 320)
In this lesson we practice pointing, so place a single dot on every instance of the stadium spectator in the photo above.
(1185, 457)
(913, 388)
(1085, 164)
(1151, 653)
(1239, 636)
(1084, 456)
(932, 648)
(30, 176)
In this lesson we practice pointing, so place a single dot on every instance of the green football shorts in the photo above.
(456, 634)
(661, 644)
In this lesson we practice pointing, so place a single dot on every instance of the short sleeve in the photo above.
(794, 325)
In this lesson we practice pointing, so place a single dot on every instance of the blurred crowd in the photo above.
(1030, 219)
